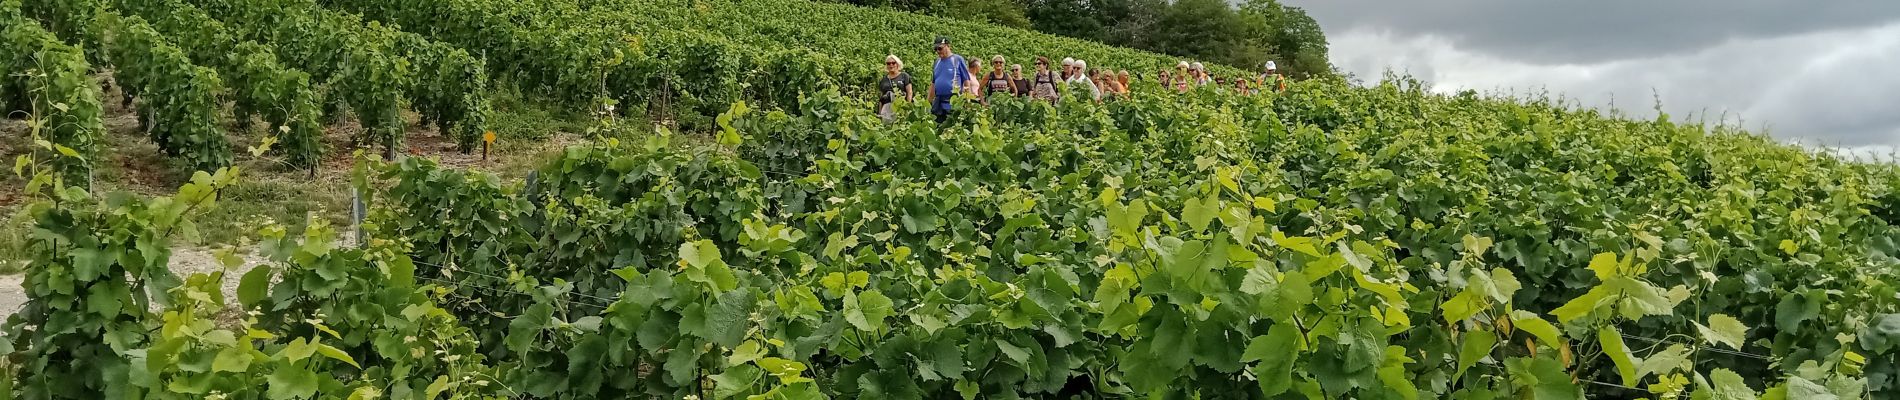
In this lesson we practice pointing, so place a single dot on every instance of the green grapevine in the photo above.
(71, 20)
(1148, 246)
(51, 78)
(179, 105)
(1331, 241)
(358, 66)
(451, 89)
(375, 67)
(261, 84)
(104, 299)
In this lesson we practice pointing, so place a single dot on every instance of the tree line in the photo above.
(1245, 33)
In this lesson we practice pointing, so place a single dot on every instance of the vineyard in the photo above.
(744, 227)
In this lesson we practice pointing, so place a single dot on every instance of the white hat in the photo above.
(1270, 65)
(1198, 66)
(1181, 64)
(1066, 61)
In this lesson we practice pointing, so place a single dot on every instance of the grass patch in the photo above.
(13, 241)
(518, 117)
(243, 207)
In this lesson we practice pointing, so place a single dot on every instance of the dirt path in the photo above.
(185, 261)
(12, 296)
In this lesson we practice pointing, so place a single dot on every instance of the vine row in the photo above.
(177, 100)
(591, 56)
(261, 84)
(51, 80)
(374, 68)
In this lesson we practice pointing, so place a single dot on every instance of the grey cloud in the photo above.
(1827, 87)
(1567, 31)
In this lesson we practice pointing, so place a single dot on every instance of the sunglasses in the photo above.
(889, 63)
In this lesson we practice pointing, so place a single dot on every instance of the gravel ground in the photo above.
(185, 261)
(12, 296)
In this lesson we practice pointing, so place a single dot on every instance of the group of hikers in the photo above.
(952, 76)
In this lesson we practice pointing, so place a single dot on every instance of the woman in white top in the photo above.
(1081, 78)
(1183, 77)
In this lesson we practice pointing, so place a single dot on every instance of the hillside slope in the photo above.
(689, 61)
(1331, 241)
(864, 35)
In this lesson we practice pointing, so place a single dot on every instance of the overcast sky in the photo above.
(1817, 72)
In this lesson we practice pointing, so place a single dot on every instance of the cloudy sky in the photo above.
(1823, 72)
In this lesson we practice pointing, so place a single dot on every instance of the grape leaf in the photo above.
(289, 382)
(787, 371)
(735, 380)
(1536, 326)
(1619, 353)
(1795, 308)
(1200, 212)
(1605, 266)
(1724, 329)
(1462, 306)
(867, 310)
(252, 287)
(1662, 362)
(1477, 345)
(1276, 351)
(231, 359)
(1582, 305)
(1724, 384)
(1804, 389)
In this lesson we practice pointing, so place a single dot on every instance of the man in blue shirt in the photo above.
(948, 77)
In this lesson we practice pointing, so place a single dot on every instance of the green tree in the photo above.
(1072, 18)
(1206, 30)
(1130, 23)
(1288, 36)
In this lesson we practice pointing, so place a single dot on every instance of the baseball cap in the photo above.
(942, 41)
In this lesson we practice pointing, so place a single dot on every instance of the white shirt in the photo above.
(1083, 79)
